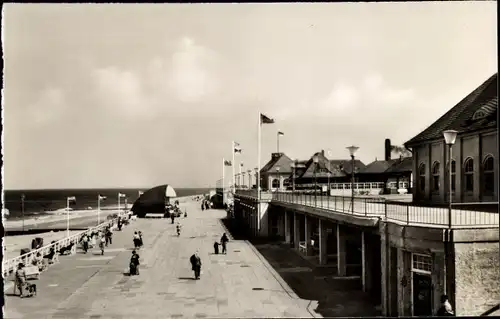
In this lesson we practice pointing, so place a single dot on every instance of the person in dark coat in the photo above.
(119, 223)
(216, 248)
(203, 206)
(172, 217)
(223, 241)
(141, 242)
(134, 263)
(196, 265)
(137, 240)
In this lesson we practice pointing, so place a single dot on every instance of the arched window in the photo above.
(421, 177)
(276, 183)
(489, 175)
(435, 176)
(453, 174)
(469, 174)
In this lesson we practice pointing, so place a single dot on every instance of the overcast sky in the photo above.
(140, 94)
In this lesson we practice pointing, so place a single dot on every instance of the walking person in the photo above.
(109, 236)
(102, 243)
(445, 310)
(20, 279)
(223, 241)
(134, 263)
(85, 243)
(216, 248)
(172, 216)
(196, 265)
(137, 240)
(141, 242)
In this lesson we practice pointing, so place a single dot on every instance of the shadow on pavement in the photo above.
(186, 278)
(337, 297)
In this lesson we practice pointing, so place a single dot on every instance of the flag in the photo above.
(237, 148)
(72, 199)
(281, 133)
(227, 163)
(102, 197)
(265, 120)
(140, 193)
(121, 195)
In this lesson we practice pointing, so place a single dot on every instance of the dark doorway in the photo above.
(394, 282)
(422, 295)
(292, 228)
(376, 269)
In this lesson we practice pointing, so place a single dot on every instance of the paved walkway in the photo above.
(94, 286)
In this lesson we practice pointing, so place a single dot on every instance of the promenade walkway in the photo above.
(94, 286)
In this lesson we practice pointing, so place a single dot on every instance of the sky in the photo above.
(137, 95)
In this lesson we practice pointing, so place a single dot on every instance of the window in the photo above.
(392, 185)
(286, 182)
(421, 263)
(469, 174)
(421, 177)
(435, 176)
(453, 174)
(489, 176)
(276, 183)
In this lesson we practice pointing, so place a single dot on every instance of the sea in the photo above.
(40, 202)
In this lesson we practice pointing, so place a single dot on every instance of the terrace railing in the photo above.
(399, 212)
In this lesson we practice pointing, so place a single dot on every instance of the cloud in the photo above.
(190, 79)
(372, 93)
(49, 105)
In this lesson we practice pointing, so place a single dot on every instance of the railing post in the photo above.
(366, 207)
(407, 214)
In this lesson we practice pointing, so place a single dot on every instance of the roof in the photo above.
(460, 117)
(153, 200)
(399, 165)
(336, 167)
(278, 160)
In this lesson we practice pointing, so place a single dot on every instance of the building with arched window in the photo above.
(474, 157)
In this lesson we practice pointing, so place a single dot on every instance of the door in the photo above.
(422, 295)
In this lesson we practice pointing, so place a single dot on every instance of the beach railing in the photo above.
(10, 265)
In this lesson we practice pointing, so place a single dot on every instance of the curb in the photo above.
(273, 272)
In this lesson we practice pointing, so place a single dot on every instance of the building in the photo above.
(474, 164)
(275, 174)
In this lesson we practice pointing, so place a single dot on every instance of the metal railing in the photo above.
(400, 212)
(11, 264)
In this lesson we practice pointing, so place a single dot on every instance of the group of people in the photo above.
(103, 238)
(206, 204)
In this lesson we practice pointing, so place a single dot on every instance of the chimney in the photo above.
(387, 149)
(323, 152)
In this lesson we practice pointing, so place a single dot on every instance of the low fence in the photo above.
(401, 212)
(8, 266)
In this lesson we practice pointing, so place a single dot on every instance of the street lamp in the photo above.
(315, 160)
(352, 150)
(22, 208)
(449, 138)
(293, 166)
(249, 178)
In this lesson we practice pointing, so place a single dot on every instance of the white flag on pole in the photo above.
(71, 199)
(102, 197)
(140, 193)
(121, 195)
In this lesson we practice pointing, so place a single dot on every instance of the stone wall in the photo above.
(477, 280)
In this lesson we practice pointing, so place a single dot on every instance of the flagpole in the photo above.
(67, 216)
(233, 163)
(258, 171)
(223, 169)
(278, 142)
(118, 203)
(98, 209)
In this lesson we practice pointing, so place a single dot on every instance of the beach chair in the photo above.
(32, 272)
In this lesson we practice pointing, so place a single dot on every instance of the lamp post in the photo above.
(249, 178)
(22, 208)
(449, 137)
(352, 150)
(315, 160)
